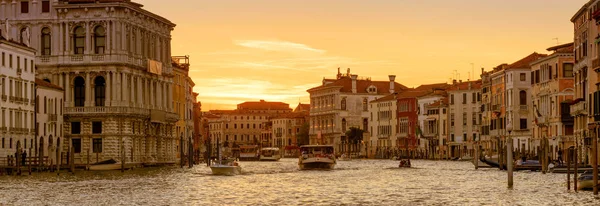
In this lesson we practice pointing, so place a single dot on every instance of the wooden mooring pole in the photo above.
(575, 172)
(595, 158)
(568, 169)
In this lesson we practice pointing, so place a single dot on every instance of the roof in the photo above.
(292, 115)
(524, 63)
(40, 82)
(412, 93)
(263, 105)
(94, 1)
(345, 84)
(386, 98)
(561, 47)
(465, 85)
(430, 87)
(441, 102)
(302, 107)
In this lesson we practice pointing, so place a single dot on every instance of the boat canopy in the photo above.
(270, 148)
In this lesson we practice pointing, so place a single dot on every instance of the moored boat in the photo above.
(105, 165)
(249, 152)
(585, 181)
(316, 157)
(270, 154)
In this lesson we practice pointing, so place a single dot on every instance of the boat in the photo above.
(563, 169)
(489, 161)
(225, 166)
(249, 152)
(317, 157)
(344, 157)
(404, 163)
(105, 165)
(533, 165)
(270, 154)
(585, 181)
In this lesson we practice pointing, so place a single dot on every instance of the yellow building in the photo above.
(183, 100)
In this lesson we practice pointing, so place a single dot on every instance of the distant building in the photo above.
(49, 120)
(17, 91)
(464, 117)
(408, 134)
(552, 94)
(428, 121)
(341, 103)
(285, 128)
(437, 116)
(383, 119)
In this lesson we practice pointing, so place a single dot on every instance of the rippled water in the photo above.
(357, 182)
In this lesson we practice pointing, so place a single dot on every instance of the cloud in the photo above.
(277, 46)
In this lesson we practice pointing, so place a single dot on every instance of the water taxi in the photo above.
(270, 154)
(249, 152)
(316, 157)
(228, 166)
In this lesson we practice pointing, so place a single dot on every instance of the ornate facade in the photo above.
(113, 60)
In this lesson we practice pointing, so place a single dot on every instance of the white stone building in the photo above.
(383, 118)
(465, 117)
(17, 79)
(427, 121)
(49, 120)
(341, 103)
(113, 59)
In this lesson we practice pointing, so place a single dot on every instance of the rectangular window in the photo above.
(452, 120)
(10, 61)
(452, 99)
(464, 99)
(76, 145)
(97, 145)
(24, 7)
(464, 118)
(474, 136)
(567, 70)
(3, 58)
(523, 123)
(75, 127)
(96, 127)
(3, 142)
(523, 77)
(451, 137)
(45, 6)
(25, 67)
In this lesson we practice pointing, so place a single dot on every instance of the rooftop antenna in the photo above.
(472, 71)
(557, 43)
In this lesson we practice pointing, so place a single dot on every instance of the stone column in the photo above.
(108, 40)
(87, 90)
(126, 95)
(69, 36)
(68, 96)
(132, 92)
(108, 89)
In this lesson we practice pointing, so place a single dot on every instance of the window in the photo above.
(567, 70)
(24, 7)
(452, 99)
(366, 124)
(79, 91)
(99, 40)
(96, 127)
(343, 126)
(523, 77)
(3, 58)
(45, 107)
(97, 145)
(523, 97)
(451, 137)
(76, 145)
(75, 127)
(10, 61)
(452, 119)
(343, 103)
(364, 102)
(46, 48)
(464, 118)
(464, 99)
(523, 123)
(2, 142)
(79, 40)
(45, 6)
(99, 90)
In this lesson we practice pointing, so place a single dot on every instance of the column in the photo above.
(88, 38)
(109, 37)
(108, 89)
(68, 97)
(126, 95)
(131, 91)
(170, 97)
(87, 90)
(68, 36)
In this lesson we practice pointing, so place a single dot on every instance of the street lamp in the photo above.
(509, 156)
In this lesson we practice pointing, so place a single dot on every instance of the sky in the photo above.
(275, 50)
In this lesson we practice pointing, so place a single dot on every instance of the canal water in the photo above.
(357, 182)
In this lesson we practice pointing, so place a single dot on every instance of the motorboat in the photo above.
(249, 153)
(105, 165)
(317, 157)
(404, 163)
(226, 167)
(344, 157)
(585, 181)
(270, 154)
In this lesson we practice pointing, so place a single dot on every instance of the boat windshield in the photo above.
(268, 152)
(317, 152)
(248, 149)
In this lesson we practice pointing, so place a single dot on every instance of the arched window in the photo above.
(99, 91)
(99, 40)
(344, 125)
(79, 40)
(46, 48)
(523, 97)
(79, 91)
(343, 103)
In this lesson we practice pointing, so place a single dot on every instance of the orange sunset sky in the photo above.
(247, 50)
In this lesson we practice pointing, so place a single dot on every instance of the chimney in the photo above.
(392, 83)
(453, 81)
(354, 76)
(469, 85)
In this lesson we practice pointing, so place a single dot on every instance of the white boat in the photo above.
(105, 165)
(316, 157)
(249, 152)
(226, 167)
(270, 154)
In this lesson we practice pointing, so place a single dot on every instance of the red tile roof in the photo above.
(563, 48)
(292, 115)
(465, 85)
(386, 98)
(412, 93)
(40, 82)
(302, 107)
(524, 63)
(345, 84)
(431, 87)
(263, 105)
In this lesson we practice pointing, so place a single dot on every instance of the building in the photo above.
(584, 108)
(552, 93)
(183, 100)
(437, 115)
(286, 128)
(407, 137)
(428, 120)
(49, 121)
(384, 121)
(197, 118)
(341, 103)
(17, 91)
(487, 142)
(113, 60)
(464, 117)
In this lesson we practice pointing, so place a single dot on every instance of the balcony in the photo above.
(579, 108)
(103, 59)
(106, 110)
(19, 71)
(596, 63)
(4, 97)
(523, 107)
(52, 117)
(2, 129)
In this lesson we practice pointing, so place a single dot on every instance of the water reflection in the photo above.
(362, 182)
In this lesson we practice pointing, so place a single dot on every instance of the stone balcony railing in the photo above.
(17, 130)
(106, 110)
(3, 129)
(52, 117)
(4, 97)
(579, 108)
(99, 59)
(523, 107)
